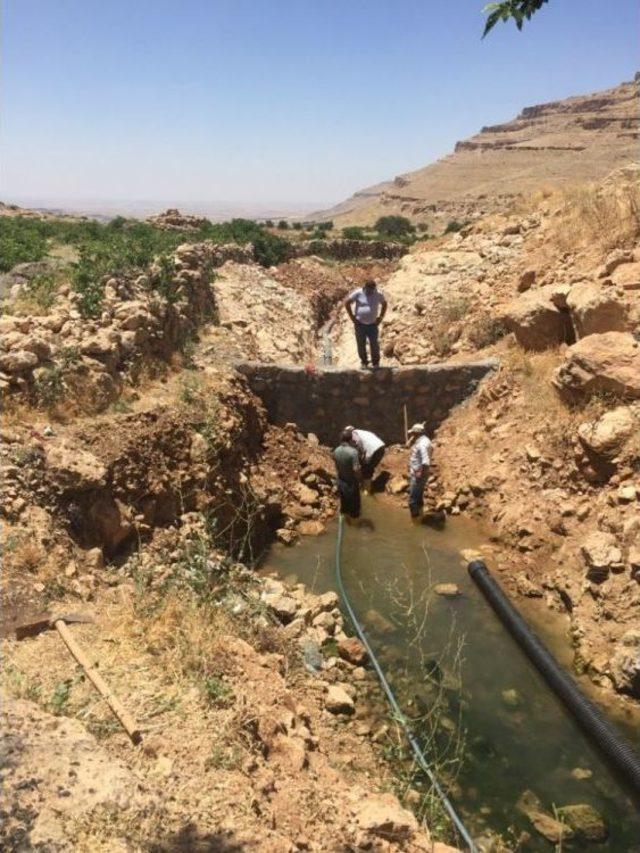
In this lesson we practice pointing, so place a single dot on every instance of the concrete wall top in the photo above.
(323, 400)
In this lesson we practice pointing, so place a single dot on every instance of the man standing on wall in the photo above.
(370, 450)
(419, 464)
(366, 308)
(347, 464)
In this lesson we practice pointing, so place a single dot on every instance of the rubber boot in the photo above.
(416, 519)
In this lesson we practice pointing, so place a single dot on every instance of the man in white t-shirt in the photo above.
(370, 450)
(366, 308)
(419, 464)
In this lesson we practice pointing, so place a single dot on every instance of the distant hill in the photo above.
(579, 139)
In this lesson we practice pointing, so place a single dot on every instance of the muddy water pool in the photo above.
(455, 652)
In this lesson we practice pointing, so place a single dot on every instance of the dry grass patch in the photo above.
(606, 216)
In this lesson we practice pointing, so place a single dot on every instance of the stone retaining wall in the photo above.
(324, 400)
(347, 250)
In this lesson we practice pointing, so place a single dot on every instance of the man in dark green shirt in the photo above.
(347, 464)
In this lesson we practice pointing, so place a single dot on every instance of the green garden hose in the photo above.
(397, 710)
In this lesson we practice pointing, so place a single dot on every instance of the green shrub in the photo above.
(453, 226)
(217, 692)
(270, 250)
(283, 225)
(21, 241)
(49, 386)
(354, 232)
(394, 226)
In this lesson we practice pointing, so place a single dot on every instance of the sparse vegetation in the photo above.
(453, 226)
(38, 296)
(454, 308)
(59, 699)
(217, 692)
(49, 386)
(608, 217)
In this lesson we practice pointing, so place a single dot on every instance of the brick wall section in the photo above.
(324, 401)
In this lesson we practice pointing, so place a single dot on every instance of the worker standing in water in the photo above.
(366, 308)
(349, 474)
(419, 465)
(370, 449)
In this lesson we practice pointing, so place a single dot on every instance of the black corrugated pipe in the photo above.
(602, 733)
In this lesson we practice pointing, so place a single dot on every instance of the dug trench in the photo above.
(149, 514)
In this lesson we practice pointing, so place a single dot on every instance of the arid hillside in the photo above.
(557, 144)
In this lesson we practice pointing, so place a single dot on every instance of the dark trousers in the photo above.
(364, 332)
(349, 491)
(416, 494)
(368, 468)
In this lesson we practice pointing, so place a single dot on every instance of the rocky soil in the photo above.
(253, 735)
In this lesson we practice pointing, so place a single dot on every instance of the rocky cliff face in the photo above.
(559, 143)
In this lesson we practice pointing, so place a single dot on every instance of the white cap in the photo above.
(416, 429)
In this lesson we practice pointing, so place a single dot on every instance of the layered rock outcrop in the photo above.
(578, 139)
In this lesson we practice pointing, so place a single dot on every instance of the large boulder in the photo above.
(74, 469)
(627, 276)
(601, 555)
(596, 308)
(606, 436)
(625, 663)
(56, 773)
(608, 362)
(18, 361)
(536, 320)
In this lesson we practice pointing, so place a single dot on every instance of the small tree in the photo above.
(283, 225)
(394, 226)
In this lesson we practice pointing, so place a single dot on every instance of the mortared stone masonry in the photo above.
(325, 399)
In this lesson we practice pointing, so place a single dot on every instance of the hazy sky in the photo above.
(275, 100)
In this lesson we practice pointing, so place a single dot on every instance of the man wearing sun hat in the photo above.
(419, 464)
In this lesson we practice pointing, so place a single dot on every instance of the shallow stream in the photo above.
(455, 652)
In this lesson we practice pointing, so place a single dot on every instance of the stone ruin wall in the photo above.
(323, 401)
